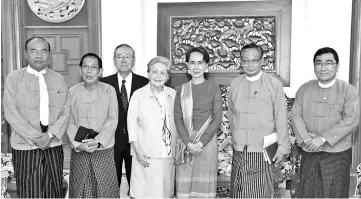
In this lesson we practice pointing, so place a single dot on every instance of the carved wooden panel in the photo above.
(33, 20)
(223, 37)
(56, 11)
(223, 28)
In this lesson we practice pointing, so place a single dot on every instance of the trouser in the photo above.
(121, 154)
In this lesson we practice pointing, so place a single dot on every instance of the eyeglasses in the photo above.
(34, 53)
(124, 56)
(327, 64)
(248, 62)
(93, 68)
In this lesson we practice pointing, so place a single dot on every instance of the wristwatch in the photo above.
(50, 135)
(323, 139)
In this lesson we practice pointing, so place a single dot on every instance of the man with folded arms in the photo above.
(256, 108)
(34, 104)
(325, 113)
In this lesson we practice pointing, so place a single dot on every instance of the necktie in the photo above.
(124, 97)
(44, 98)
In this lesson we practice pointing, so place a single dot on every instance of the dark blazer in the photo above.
(122, 140)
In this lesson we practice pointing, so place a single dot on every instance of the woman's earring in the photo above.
(206, 70)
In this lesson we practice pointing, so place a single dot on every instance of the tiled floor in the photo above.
(124, 189)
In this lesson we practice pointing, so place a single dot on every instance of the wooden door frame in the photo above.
(12, 40)
(355, 73)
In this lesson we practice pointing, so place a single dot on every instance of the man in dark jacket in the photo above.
(125, 83)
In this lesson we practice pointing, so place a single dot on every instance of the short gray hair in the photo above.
(160, 59)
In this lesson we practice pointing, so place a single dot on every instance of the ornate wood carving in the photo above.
(223, 28)
(223, 37)
(56, 11)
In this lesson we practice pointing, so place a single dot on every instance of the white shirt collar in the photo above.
(254, 78)
(327, 85)
(127, 79)
(34, 72)
(128, 83)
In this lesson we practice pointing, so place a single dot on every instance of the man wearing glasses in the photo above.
(125, 83)
(324, 114)
(34, 103)
(256, 108)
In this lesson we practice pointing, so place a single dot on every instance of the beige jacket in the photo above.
(333, 113)
(21, 107)
(256, 109)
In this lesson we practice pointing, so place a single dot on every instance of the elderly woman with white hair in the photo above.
(152, 134)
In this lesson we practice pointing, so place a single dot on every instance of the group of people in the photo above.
(166, 137)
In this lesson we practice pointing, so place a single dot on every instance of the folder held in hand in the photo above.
(85, 133)
(270, 147)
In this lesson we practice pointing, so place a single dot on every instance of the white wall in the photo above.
(121, 23)
(315, 24)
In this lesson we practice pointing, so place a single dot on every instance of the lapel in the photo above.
(135, 85)
(114, 82)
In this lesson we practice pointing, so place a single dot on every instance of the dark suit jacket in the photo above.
(122, 140)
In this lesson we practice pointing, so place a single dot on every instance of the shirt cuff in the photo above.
(75, 145)
(326, 135)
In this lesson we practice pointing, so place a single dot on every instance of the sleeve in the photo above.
(298, 124)
(72, 127)
(349, 121)
(59, 127)
(107, 131)
(11, 111)
(217, 109)
(230, 108)
(178, 118)
(133, 121)
(280, 114)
